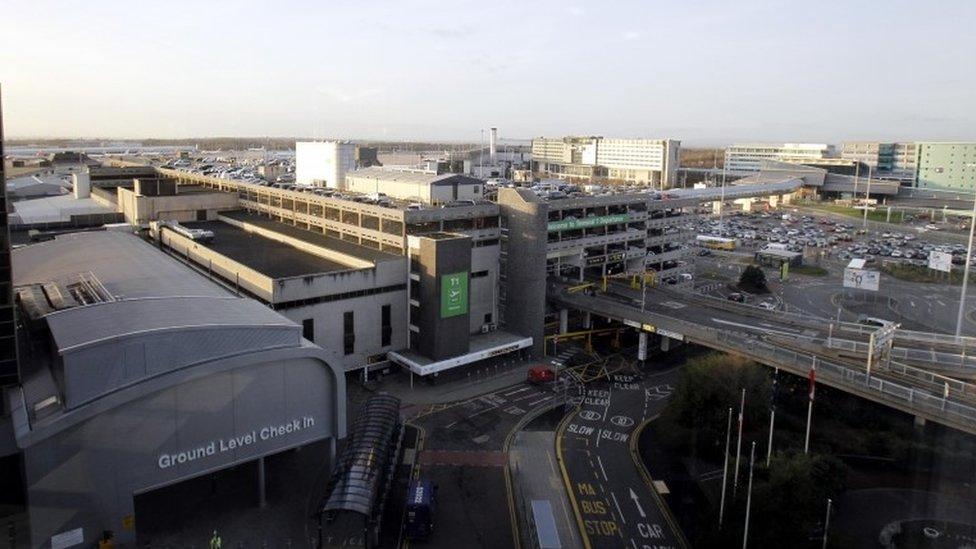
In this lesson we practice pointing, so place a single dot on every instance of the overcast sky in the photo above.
(702, 72)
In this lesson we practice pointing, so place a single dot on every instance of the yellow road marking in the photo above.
(662, 505)
(569, 486)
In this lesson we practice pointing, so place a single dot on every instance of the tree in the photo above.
(753, 279)
(697, 415)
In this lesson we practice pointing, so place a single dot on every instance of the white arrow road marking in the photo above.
(640, 509)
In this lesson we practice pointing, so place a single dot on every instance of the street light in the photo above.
(721, 204)
(969, 256)
(867, 197)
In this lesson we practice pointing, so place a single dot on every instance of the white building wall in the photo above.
(748, 157)
(324, 163)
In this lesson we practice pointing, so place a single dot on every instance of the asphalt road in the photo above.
(464, 453)
(613, 504)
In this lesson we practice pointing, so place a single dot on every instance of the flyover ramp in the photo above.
(724, 331)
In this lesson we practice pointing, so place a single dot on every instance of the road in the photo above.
(613, 503)
(464, 453)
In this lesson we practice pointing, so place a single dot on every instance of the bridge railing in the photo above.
(908, 397)
(911, 399)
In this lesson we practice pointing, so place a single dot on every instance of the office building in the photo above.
(324, 163)
(748, 157)
(894, 161)
(651, 162)
(141, 374)
(880, 157)
(946, 166)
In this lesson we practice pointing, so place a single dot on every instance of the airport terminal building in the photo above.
(138, 373)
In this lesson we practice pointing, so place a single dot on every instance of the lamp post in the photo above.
(969, 256)
(721, 204)
(866, 198)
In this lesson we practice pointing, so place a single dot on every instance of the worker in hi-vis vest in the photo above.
(215, 542)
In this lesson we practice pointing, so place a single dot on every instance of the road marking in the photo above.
(602, 470)
(516, 391)
(619, 512)
(640, 509)
(622, 421)
(589, 415)
(720, 321)
(540, 401)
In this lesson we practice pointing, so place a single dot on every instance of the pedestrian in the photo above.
(215, 541)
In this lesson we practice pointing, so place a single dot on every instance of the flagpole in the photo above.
(725, 470)
(745, 533)
(772, 415)
(813, 388)
(738, 445)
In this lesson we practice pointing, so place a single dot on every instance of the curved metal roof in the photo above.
(368, 457)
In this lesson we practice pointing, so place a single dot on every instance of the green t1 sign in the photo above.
(454, 294)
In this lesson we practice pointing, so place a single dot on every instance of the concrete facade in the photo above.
(748, 157)
(324, 163)
(643, 161)
(948, 166)
(138, 386)
(140, 209)
(415, 186)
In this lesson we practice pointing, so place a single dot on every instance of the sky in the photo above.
(707, 73)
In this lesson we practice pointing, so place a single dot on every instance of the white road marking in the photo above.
(602, 470)
(516, 391)
(640, 509)
(748, 327)
(540, 401)
(619, 512)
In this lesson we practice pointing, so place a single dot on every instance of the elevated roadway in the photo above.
(795, 343)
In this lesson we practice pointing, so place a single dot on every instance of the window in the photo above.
(386, 326)
(308, 329)
(487, 318)
(348, 333)
(479, 274)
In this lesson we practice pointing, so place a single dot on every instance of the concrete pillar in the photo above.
(82, 184)
(587, 322)
(332, 453)
(642, 346)
(717, 207)
(563, 321)
(262, 485)
(665, 343)
(919, 423)
(773, 201)
(746, 204)
(787, 198)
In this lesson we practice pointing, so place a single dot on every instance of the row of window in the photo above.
(349, 329)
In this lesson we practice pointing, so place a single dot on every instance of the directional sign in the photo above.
(940, 261)
(454, 294)
(672, 335)
(861, 279)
